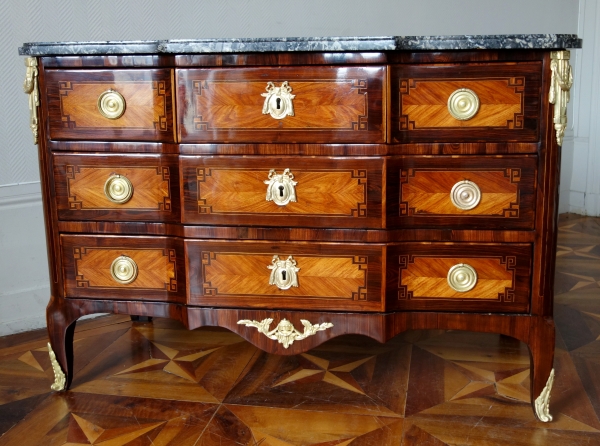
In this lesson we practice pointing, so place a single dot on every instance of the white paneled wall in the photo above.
(580, 182)
(23, 267)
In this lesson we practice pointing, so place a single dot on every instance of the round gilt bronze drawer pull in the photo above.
(463, 104)
(124, 270)
(118, 189)
(465, 195)
(462, 277)
(111, 104)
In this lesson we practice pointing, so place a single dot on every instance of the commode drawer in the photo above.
(460, 277)
(283, 191)
(110, 104)
(464, 192)
(130, 268)
(286, 275)
(117, 187)
(466, 102)
(284, 104)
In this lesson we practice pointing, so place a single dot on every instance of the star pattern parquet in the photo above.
(157, 384)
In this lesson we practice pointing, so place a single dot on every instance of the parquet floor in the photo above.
(159, 384)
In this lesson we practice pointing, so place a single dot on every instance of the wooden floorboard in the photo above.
(140, 383)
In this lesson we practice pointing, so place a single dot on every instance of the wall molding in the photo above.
(23, 194)
(580, 179)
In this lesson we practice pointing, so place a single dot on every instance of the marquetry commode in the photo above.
(293, 190)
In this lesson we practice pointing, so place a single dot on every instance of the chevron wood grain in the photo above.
(429, 192)
(247, 274)
(92, 267)
(424, 103)
(88, 260)
(427, 277)
(330, 192)
(507, 187)
(80, 187)
(329, 276)
(329, 103)
(318, 192)
(86, 187)
(503, 276)
(73, 104)
(509, 102)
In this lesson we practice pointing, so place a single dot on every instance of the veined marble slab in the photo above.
(290, 44)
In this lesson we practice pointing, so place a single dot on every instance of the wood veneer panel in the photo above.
(329, 192)
(295, 234)
(507, 185)
(73, 111)
(330, 105)
(160, 260)
(115, 146)
(474, 148)
(109, 61)
(80, 179)
(290, 58)
(331, 276)
(509, 97)
(420, 272)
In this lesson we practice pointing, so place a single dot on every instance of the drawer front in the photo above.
(130, 268)
(461, 277)
(323, 276)
(464, 192)
(110, 104)
(117, 187)
(465, 102)
(287, 104)
(283, 192)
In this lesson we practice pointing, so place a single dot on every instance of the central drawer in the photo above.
(286, 275)
(283, 191)
(282, 104)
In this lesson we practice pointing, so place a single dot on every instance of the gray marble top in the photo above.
(247, 45)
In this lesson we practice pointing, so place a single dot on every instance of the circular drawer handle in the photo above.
(462, 277)
(118, 189)
(283, 273)
(463, 104)
(465, 195)
(124, 270)
(281, 189)
(278, 101)
(111, 104)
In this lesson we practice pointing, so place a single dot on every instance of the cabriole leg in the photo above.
(542, 336)
(60, 331)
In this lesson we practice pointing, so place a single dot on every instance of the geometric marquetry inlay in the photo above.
(427, 277)
(151, 190)
(341, 277)
(424, 103)
(319, 105)
(155, 268)
(319, 192)
(428, 192)
(146, 105)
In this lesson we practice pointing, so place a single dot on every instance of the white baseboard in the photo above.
(23, 311)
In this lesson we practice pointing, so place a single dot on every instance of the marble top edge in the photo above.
(291, 44)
